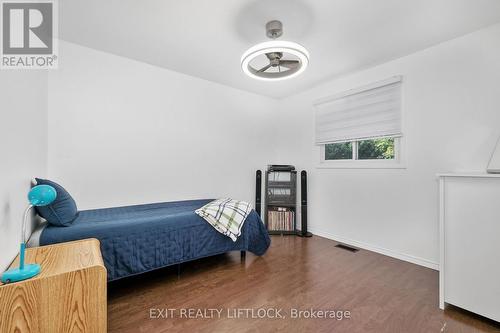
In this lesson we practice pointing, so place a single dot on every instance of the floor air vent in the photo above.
(347, 248)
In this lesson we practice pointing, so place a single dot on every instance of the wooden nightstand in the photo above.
(69, 295)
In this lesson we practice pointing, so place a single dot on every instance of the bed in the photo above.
(141, 238)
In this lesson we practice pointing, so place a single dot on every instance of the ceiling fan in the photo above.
(275, 60)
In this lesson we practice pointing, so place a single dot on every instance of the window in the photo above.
(372, 149)
(339, 151)
(361, 126)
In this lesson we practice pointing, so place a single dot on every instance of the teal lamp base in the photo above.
(18, 274)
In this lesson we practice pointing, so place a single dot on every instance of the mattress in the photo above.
(141, 238)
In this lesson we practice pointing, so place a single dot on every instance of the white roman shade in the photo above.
(368, 112)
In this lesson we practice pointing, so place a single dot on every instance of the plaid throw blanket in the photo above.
(226, 216)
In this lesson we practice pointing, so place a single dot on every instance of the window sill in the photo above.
(360, 165)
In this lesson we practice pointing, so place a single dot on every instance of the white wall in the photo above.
(451, 122)
(124, 132)
(23, 150)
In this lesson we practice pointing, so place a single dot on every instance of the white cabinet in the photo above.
(470, 243)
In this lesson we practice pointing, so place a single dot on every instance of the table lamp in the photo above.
(41, 195)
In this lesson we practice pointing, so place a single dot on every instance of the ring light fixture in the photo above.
(275, 60)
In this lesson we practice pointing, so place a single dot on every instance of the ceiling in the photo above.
(207, 38)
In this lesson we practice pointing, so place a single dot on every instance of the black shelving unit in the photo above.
(280, 213)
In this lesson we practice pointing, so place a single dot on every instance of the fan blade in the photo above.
(263, 69)
(289, 63)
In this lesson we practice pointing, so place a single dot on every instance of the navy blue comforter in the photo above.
(136, 239)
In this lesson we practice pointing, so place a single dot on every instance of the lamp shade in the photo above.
(42, 195)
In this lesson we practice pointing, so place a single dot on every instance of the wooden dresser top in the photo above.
(65, 257)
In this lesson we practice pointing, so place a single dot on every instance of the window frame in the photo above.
(355, 163)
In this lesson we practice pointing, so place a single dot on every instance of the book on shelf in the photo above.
(279, 191)
(281, 219)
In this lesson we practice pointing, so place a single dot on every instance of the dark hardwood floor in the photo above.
(382, 294)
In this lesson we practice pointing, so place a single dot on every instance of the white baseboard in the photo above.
(373, 248)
